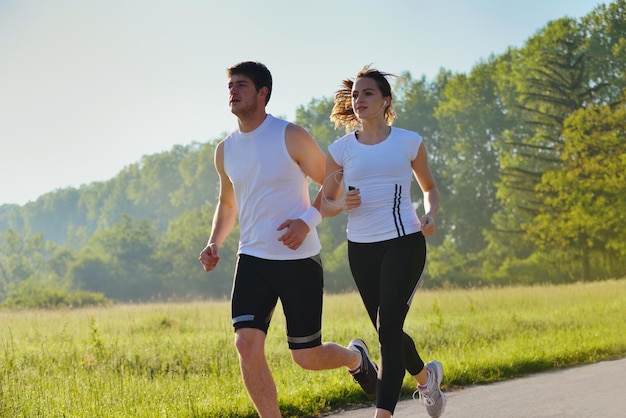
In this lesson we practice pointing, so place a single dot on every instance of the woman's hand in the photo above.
(428, 225)
(352, 199)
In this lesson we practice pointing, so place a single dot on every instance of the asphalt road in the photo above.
(593, 390)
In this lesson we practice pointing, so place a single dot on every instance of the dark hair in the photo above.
(343, 115)
(255, 71)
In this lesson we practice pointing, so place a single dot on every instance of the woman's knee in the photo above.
(390, 335)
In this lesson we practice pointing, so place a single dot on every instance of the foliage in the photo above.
(447, 267)
(179, 250)
(546, 78)
(33, 293)
(120, 262)
(557, 73)
(586, 198)
(471, 163)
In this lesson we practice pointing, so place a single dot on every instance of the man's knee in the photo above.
(249, 342)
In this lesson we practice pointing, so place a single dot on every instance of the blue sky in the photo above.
(89, 87)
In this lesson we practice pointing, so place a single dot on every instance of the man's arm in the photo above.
(224, 216)
(308, 155)
(306, 152)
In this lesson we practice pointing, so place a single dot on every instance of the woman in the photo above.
(386, 245)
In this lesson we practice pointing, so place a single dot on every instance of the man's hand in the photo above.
(208, 257)
(296, 232)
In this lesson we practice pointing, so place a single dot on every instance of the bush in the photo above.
(33, 293)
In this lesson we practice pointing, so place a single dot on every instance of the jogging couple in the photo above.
(264, 168)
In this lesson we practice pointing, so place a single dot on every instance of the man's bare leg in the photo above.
(256, 373)
(325, 357)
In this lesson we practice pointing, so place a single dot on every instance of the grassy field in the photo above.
(178, 360)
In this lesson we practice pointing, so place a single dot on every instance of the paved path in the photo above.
(593, 390)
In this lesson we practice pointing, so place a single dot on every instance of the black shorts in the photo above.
(299, 284)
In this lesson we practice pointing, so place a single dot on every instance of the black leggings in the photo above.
(387, 274)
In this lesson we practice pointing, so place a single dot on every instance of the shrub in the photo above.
(34, 293)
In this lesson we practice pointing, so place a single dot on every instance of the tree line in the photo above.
(528, 150)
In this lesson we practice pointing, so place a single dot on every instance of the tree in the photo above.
(565, 67)
(21, 256)
(472, 117)
(59, 260)
(541, 84)
(95, 273)
(127, 249)
(585, 199)
(200, 183)
(606, 51)
(547, 75)
(179, 248)
(33, 274)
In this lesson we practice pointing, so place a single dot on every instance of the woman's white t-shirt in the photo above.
(382, 172)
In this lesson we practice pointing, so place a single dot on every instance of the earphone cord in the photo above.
(339, 203)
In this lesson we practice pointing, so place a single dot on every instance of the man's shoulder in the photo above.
(280, 121)
(297, 136)
(229, 135)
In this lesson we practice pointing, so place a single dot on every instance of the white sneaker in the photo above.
(432, 396)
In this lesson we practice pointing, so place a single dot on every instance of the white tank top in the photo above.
(383, 174)
(269, 189)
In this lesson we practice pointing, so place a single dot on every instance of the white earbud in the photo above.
(385, 103)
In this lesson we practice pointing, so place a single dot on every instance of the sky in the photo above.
(89, 87)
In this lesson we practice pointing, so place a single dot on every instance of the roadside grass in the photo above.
(178, 360)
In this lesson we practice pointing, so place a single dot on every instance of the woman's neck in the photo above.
(373, 133)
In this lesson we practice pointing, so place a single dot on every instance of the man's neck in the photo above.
(250, 122)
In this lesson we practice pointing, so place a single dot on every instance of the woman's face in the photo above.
(367, 99)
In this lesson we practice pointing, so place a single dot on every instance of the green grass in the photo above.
(178, 360)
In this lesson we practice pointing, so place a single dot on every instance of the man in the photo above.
(264, 168)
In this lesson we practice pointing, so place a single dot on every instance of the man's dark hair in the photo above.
(255, 71)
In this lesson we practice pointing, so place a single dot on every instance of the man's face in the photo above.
(243, 97)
